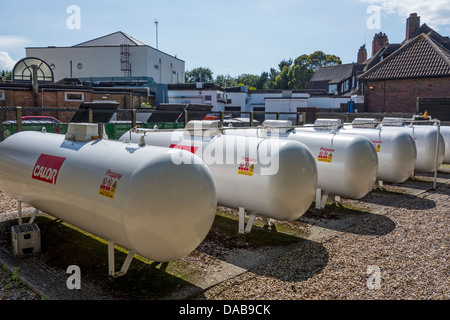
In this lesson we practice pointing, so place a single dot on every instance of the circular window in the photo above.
(79, 66)
(53, 66)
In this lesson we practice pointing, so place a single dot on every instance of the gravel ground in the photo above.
(399, 254)
(367, 261)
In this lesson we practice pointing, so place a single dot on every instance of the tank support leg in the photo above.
(321, 200)
(379, 184)
(33, 216)
(19, 211)
(242, 227)
(111, 261)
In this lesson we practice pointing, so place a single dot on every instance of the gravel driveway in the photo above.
(401, 252)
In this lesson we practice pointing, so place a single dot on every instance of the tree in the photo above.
(5, 75)
(199, 74)
(296, 74)
(225, 81)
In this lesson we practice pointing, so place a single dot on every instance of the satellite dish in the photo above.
(23, 70)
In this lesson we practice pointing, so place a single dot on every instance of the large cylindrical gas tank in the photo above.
(275, 179)
(426, 139)
(396, 152)
(347, 165)
(133, 196)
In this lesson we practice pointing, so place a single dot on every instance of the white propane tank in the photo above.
(133, 196)
(347, 165)
(445, 132)
(426, 139)
(275, 179)
(396, 150)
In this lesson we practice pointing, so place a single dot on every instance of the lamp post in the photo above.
(156, 23)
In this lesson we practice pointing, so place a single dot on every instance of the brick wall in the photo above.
(50, 98)
(401, 95)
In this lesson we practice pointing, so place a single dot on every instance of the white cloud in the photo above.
(13, 42)
(434, 13)
(6, 62)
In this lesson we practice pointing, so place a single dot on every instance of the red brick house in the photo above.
(419, 68)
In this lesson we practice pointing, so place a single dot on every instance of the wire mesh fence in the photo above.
(118, 121)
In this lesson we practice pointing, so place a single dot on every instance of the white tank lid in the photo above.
(82, 131)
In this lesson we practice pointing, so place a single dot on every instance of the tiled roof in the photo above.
(335, 73)
(420, 57)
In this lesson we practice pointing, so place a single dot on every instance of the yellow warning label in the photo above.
(377, 145)
(246, 171)
(109, 184)
(325, 155)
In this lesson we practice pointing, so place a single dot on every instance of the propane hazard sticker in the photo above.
(325, 155)
(109, 184)
(47, 168)
(377, 145)
(247, 167)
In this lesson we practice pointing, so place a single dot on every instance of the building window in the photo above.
(156, 67)
(2, 95)
(345, 86)
(332, 88)
(79, 66)
(74, 96)
(208, 98)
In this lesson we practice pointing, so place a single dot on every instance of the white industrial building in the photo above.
(116, 55)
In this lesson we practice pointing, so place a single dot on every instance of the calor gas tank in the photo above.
(347, 165)
(275, 179)
(136, 197)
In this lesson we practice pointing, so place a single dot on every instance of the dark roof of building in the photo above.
(445, 41)
(419, 57)
(195, 86)
(333, 74)
(382, 54)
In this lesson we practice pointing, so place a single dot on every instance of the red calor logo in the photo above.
(47, 168)
(191, 149)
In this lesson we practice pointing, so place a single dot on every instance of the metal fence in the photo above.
(56, 120)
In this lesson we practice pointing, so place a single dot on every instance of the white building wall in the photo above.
(285, 105)
(327, 102)
(105, 62)
(209, 97)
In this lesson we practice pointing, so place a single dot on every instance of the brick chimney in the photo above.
(362, 54)
(379, 40)
(412, 24)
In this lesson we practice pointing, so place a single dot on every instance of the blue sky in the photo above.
(228, 36)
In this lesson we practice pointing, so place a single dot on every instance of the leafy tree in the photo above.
(296, 74)
(249, 80)
(199, 74)
(225, 81)
(5, 75)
